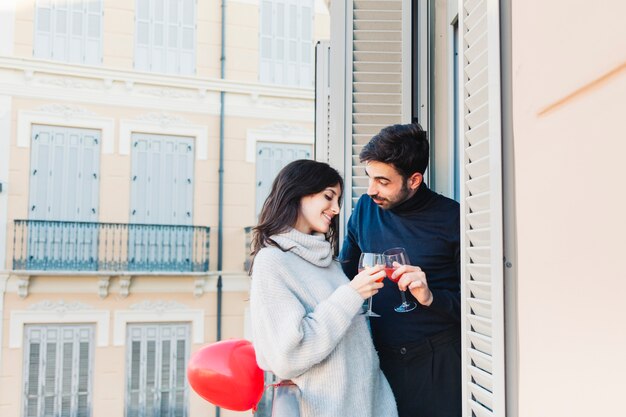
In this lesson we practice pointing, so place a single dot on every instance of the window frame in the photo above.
(143, 328)
(76, 366)
(167, 51)
(84, 38)
(290, 68)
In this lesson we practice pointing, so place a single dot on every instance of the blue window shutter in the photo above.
(142, 35)
(157, 354)
(265, 42)
(270, 159)
(159, 59)
(65, 174)
(69, 31)
(76, 31)
(57, 375)
(285, 42)
(42, 45)
(188, 37)
(162, 179)
(139, 179)
(306, 46)
(93, 32)
(60, 33)
(40, 173)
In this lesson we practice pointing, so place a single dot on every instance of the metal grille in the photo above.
(90, 246)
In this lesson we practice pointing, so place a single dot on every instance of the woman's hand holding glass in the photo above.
(371, 267)
(368, 281)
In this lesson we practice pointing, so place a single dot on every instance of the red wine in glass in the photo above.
(389, 272)
(400, 256)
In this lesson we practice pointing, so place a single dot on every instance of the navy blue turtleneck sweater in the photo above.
(427, 226)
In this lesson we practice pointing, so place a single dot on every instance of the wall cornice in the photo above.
(72, 75)
(53, 81)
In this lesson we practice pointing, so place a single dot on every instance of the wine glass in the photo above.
(368, 259)
(400, 256)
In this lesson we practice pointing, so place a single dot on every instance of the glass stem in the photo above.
(370, 304)
(404, 303)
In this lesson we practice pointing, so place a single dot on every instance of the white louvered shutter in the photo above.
(285, 42)
(188, 37)
(482, 294)
(156, 359)
(64, 174)
(161, 179)
(173, 37)
(305, 45)
(76, 31)
(60, 34)
(270, 159)
(165, 39)
(69, 31)
(160, 54)
(322, 101)
(376, 78)
(93, 29)
(57, 372)
(42, 45)
(142, 35)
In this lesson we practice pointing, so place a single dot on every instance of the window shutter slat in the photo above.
(69, 32)
(285, 42)
(64, 365)
(160, 374)
(481, 208)
(165, 36)
(376, 78)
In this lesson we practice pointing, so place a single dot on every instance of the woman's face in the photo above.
(317, 210)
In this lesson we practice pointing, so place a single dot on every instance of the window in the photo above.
(64, 187)
(270, 159)
(165, 36)
(157, 355)
(161, 194)
(286, 47)
(57, 370)
(162, 179)
(64, 159)
(69, 31)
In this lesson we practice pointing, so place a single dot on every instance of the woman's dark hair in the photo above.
(297, 179)
(403, 146)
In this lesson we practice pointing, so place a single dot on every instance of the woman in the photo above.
(306, 320)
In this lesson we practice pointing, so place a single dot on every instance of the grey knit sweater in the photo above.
(306, 328)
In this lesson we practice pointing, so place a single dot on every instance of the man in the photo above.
(420, 351)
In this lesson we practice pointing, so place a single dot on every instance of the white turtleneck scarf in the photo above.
(306, 327)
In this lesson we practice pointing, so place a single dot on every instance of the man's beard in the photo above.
(401, 197)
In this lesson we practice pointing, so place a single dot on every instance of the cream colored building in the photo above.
(524, 104)
(131, 164)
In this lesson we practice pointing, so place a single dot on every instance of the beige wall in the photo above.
(569, 92)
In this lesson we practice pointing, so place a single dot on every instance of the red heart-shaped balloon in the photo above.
(226, 374)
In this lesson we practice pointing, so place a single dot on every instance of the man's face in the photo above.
(387, 187)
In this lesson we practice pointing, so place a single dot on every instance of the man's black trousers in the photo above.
(426, 377)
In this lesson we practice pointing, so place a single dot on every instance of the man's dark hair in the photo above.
(403, 146)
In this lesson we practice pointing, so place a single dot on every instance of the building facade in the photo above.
(132, 164)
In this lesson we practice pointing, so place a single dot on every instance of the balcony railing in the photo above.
(44, 245)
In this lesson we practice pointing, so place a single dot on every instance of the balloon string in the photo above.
(281, 383)
(278, 384)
